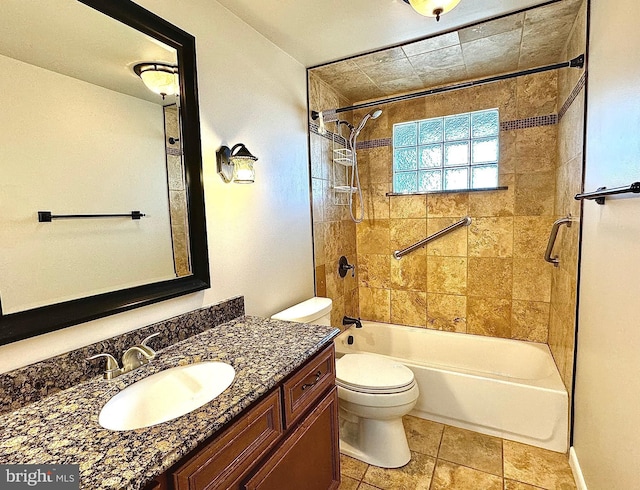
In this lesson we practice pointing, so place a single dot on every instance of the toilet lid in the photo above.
(370, 373)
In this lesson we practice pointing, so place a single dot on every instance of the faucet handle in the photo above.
(112, 369)
(147, 339)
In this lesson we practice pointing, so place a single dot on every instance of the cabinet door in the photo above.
(223, 463)
(309, 458)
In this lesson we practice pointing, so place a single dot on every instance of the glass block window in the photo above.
(454, 152)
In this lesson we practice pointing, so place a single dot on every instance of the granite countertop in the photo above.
(63, 428)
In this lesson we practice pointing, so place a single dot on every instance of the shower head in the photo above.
(376, 114)
(370, 115)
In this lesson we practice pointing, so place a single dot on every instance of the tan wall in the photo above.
(569, 183)
(489, 278)
(334, 233)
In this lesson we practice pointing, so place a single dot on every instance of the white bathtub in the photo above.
(504, 388)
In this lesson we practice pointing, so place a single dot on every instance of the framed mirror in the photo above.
(102, 197)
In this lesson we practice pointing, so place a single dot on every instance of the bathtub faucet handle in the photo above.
(347, 320)
(344, 266)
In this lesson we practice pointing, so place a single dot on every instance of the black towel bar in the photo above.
(47, 216)
(602, 192)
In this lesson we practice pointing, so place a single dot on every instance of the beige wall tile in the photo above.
(317, 200)
(489, 316)
(374, 271)
(491, 237)
(447, 275)
(490, 277)
(409, 273)
(530, 236)
(408, 206)
(376, 202)
(508, 152)
(447, 312)
(453, 244)
(406, 232)
(536, 149)
(448, 205)
(375, 304)
(532, 280)
(494, 203)
(408, 110)
(321, 281)
(376, 165)
(535, 194)
(409, 308)
(373, 237)
(530, 321)
(537, 94)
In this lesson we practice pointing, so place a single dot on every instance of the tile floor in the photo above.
(448, 458)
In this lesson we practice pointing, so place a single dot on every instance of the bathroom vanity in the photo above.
(288, 440)
(275, 427)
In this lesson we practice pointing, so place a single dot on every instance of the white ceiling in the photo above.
(320, 31)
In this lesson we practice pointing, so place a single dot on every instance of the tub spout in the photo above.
(347, 320)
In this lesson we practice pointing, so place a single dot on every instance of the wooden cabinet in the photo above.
(289, 440)
(309, 458)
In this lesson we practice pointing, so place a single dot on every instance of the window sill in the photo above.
(453, 191)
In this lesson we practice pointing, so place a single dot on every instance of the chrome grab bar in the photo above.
(599, 194)
(398, 254)
(552, 239)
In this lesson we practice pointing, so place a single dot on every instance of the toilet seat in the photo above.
(368, 373)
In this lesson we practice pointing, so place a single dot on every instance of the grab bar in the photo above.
(552, 239)
(47, 216)
(398, 254)
(599, 194)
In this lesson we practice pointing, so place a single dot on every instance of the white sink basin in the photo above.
(166, 395)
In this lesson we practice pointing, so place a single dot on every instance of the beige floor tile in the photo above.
(423, 435)
(516, 485)
(468, 448)
(416, 475)
(348, 483)
(352, 467)
(535, 466)
(449, 476)
(366, 486)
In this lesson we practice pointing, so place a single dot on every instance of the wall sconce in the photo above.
(433, 8)
(236, 164)
(160, 78)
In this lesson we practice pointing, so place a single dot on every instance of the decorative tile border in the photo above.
(365, 145)
(34, 382)
(314, 128)
(572, 96)
(529, 122)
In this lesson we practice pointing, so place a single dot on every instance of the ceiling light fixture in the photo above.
(160, 78)
(433, 8)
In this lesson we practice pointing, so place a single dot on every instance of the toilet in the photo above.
(374, 394)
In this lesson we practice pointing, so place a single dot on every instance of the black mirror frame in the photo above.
(37, 321)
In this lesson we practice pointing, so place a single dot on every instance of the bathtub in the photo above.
(504, 388)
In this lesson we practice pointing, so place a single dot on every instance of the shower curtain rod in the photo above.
(577, 62)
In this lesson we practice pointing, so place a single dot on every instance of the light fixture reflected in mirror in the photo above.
(160, 78)
(236, 164)
(433, 8)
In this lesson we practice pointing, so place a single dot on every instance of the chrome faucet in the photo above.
(134, 357)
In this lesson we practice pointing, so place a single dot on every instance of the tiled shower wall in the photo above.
(334, 234)
(569, 182)
(489, 278)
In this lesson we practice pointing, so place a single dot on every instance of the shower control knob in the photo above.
(344, 266)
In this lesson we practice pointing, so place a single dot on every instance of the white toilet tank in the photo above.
(315, 310)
